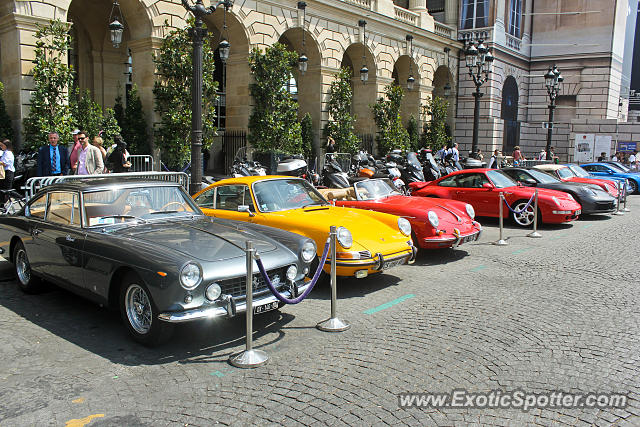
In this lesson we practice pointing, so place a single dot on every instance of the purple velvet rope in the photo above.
(523, 209)
(277, 294)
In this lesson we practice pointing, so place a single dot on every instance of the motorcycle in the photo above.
(26, 165)
(297, 166)
(243, 165)
(430, 167)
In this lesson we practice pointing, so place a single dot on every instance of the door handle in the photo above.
(69, 238)
(35, 232)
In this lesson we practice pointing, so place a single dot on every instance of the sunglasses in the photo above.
(82, 138)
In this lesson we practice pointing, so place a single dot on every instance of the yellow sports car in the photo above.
(368, 242)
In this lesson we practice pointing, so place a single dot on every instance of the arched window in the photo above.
(509, 114)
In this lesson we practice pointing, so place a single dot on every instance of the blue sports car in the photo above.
(612, 171)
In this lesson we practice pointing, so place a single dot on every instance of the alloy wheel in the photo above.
(524, 218)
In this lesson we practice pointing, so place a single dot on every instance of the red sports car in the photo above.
(434, 223)
(565, 173)
(481, 188)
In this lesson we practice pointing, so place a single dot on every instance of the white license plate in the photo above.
(393, 263)
(265, 307)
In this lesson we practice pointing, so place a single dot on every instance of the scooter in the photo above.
(242, 166)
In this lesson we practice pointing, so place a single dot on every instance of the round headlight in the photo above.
(433, 218)
(405, 226)
(344, 237)
(190, 276)
(470, 211)
(213, 292)
(308, 252)
(292, 272)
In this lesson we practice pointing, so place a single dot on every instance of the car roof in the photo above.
(547, 167)
(92, 184)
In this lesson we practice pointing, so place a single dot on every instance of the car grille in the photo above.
(364, 254)
(605, 205)
(236, 287)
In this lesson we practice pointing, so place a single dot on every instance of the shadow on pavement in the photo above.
(510, 225)
(441, 256)
(100, 330)
(350, 287)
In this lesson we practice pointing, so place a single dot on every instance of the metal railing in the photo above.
(36, 183)
(141, 163)
(532, 163)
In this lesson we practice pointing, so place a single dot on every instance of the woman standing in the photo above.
(97, 141)
(6, 161)
(517, 156)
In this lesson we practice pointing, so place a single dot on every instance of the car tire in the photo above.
(524, 219)
(140, 314)
(633, 186)
(27, 281)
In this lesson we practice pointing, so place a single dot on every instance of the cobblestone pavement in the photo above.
(556, 313)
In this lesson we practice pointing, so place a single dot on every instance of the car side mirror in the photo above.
(245, 208)
(487, 186)
(609, 171)
(529, 182)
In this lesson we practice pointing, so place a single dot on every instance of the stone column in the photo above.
(418, 5)
(451, 13)
(238, 102)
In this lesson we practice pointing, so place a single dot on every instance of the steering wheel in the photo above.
(180, 205)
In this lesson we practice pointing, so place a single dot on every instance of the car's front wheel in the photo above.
(140, 314)
(525, 216)
(633, 186)
(27, 281)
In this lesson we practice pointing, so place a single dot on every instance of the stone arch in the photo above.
(364, 94)
(404, 67)
(309, 85)
(509, 113)
(441, 77)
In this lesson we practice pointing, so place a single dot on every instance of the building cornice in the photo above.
(16, 21)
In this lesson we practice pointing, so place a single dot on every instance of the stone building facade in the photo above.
(588, 40)
(332, 39)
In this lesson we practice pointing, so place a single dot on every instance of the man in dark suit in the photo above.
(53, 159)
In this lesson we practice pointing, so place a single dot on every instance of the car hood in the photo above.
(448, 210)
(205, 239)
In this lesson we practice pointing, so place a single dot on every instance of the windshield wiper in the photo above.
(163, 212)
(314, 204)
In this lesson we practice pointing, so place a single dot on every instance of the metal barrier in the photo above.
(36, 183)
(141, 163)
(333, 324)
(625, 208)
(619, 199)
(535, 233)
(501, 241)
(249, 358)
(532, 163)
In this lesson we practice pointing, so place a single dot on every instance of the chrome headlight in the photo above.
(190, 275)
(292, 272)
(344, 238)
(433, 218)
(213, 292)
(404, 226)
(308, 252)
(470, 211)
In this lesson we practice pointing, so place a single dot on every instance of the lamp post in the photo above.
(410, 80)
(552, 80)
(364, 71)
(478, 60)
(302, 59)
(199, 11)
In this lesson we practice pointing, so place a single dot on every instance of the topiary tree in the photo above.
(273, 124)
(172, 93)
(435, 135)
(414, 133)
(306, 131)
(386, 113)
(6, 128)
(118, 108)
(340, 125)
(134, 129)
(52, 78)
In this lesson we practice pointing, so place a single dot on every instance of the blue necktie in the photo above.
(54, 159)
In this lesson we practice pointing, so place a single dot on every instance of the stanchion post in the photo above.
(249, 358)
(535, 233)
(618, 211)
(333, 324)
(624, 206)
(501, 241)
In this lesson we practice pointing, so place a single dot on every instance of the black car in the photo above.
(146, 248)
(592, 198)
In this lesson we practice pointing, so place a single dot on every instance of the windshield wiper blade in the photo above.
(314, 204)
(163, 212)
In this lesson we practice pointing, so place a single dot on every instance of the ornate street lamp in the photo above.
(364, 71)
(552, 80)
(199, 11)
(410, 80)
(224, 47)
(303, 60)
(115, 27)
(478, 59)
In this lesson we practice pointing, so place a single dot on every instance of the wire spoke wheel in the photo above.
(138, 309)
(23, 268)
(524, 218)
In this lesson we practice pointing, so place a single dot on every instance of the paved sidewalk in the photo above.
(557, 313)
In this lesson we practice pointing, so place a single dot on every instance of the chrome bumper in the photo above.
(456, 240)
(228, 310)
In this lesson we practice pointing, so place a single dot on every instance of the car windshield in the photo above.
(120, 205)
(501, 179)
(543, 177)
(374, 189)
(566, 173)
(619, 167)
(577, 171)
(283, 194)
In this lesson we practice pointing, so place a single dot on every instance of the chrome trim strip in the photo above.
(213, 311)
